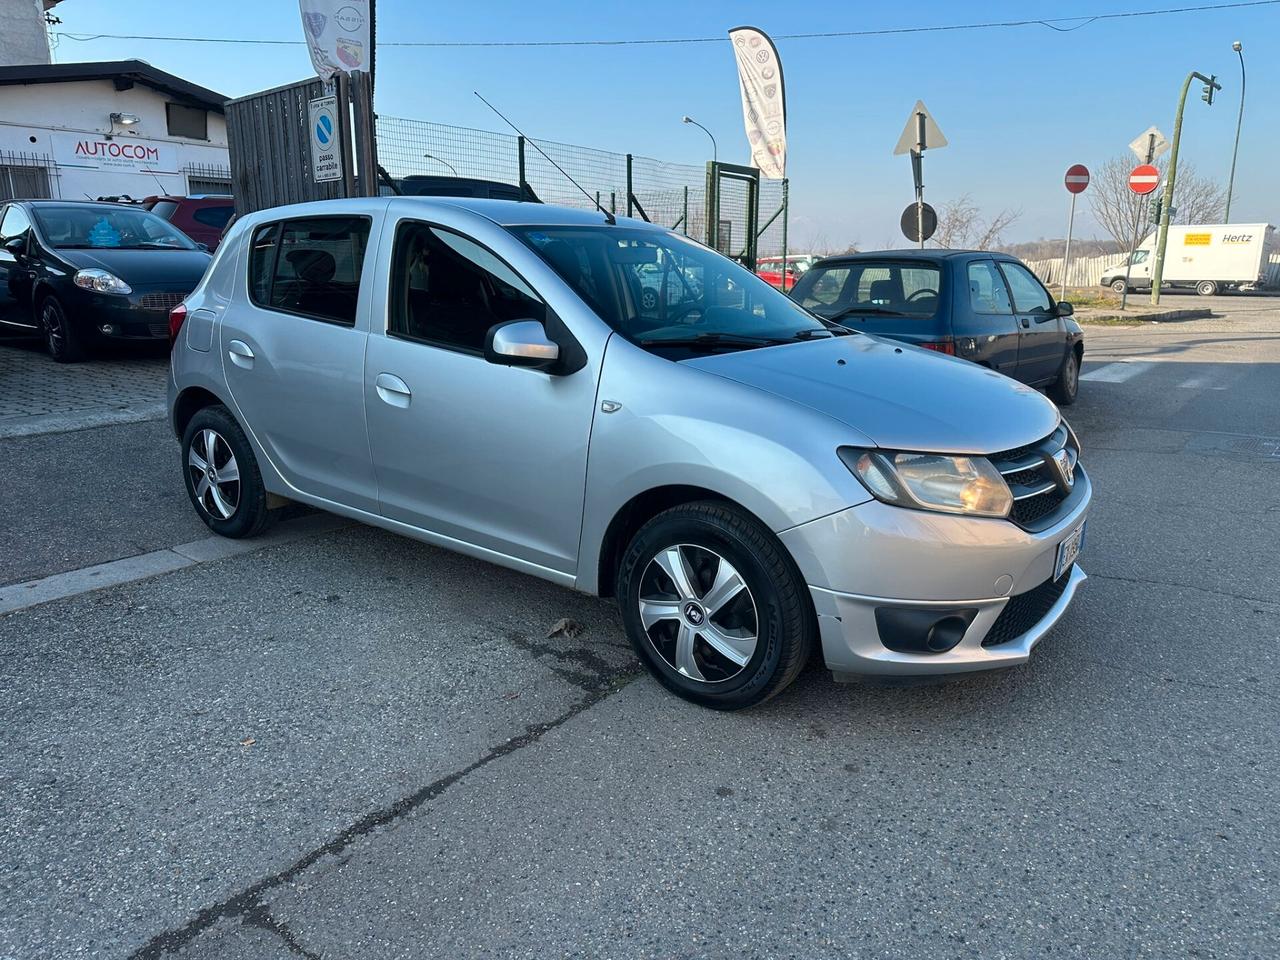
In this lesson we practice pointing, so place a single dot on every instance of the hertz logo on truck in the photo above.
(1237, 238)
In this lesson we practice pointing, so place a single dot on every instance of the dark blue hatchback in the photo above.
(981, 306)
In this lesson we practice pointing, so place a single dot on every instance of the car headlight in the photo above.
(100, 281)
(928, 481)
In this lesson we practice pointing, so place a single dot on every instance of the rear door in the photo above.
(1042, 338)
(983, 321)
(293, 353)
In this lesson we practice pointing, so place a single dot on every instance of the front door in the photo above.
(15, 270)
(294, 355)
(1042, 340)
(488, 455)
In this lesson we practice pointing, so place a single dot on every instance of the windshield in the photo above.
(661, 289)
(875, 287)
(121, 228)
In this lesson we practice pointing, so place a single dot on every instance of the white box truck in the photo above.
(1210, 257)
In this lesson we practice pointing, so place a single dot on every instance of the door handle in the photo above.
(1025, 322)
(240, 354)
(392, 390)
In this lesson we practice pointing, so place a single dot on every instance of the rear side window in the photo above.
(987, 292)
(448, 290)
(215, 217)
(1028, 295)
(164, 208)
(309, 267)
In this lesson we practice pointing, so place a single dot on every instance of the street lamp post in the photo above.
(715, 158)
(1238, 47)
(428, 156)
(1157, 269)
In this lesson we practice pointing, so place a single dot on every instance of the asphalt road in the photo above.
(353, 746)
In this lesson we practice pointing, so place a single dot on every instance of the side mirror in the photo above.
(16, 246)
(520, 343)
(1065, 309)
(202, 246)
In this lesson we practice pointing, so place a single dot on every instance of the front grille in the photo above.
(1025, 610)
(1034, 480)
(162, 301)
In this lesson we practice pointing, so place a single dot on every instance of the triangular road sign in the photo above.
(1143, 143)
(933, 138)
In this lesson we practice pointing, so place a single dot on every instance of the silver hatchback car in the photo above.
(616, 408)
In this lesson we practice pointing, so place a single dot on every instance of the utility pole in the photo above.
(1157, 270)
(1238, 47)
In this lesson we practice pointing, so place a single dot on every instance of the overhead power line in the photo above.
(1059, 24)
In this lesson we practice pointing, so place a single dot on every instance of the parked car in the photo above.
(203, 217)
(746, 479)
(769, 269)
(433, 185)
(1209, 258)
(985, 307)
(80, 272)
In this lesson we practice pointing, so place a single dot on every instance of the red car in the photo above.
(769, 269)
(202, 217)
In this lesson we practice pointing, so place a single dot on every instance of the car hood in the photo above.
(902, 397)
(136, 267)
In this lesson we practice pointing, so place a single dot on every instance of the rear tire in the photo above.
(734, 626)
(1065, 389)
(222, 475)
(65, 345)
(1207, 288)
(1119, 286)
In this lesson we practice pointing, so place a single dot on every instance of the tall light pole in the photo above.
(428, 156)
(1238, 47)
(714, 153)
(1157, 269)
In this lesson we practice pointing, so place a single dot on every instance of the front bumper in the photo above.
(141, 315)
(879, 557)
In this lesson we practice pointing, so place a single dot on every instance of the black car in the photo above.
(80, 273)
(981, 306)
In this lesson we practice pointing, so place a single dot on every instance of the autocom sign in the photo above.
(118, 153)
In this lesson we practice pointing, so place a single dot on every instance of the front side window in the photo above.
(664, 291)
(448, 290)
(1140, 256)
(1028, 294)
(872, 287)
(987, 292)
(309, 267)
(89, 226)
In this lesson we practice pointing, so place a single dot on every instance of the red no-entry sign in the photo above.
(1077, 178)
(1144, 179)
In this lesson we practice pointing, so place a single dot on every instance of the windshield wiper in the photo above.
(878, 311)
(713, 340)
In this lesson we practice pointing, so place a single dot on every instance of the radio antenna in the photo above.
(608, 217)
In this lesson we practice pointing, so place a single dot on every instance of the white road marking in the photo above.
(1194, 383)
(59, 586)
(1118, 372)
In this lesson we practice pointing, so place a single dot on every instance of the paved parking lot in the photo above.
(344, 744)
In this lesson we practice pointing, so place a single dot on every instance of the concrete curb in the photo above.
(79, 420)
(1151, 316)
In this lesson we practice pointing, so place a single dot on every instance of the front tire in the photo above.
(715, 606)
(222, 475)
(65, 344)
(1065, 389)
(1119, 285)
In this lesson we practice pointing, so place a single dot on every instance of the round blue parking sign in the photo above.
(324, 129)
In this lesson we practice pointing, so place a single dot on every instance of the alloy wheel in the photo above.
(215, 475)
(54, 335)
(698, 613)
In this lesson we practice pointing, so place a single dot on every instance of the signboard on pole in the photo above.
(914, 218)
(1144, 179)
(1150, 144)
(1077, 178)
(326, 154)
(764, 100)
(916, 138)
(337, 33)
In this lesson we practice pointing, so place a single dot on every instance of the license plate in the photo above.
(1068, 550)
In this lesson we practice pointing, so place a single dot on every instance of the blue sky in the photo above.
(1018, 105)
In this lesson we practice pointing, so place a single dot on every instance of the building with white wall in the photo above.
(24, 36)
(89, 130)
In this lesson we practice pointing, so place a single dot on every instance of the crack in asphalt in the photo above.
(248, 906)
(1186, 586)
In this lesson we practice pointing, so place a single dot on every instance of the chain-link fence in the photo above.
(671, 194)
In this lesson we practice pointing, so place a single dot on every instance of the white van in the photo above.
(1210, 257)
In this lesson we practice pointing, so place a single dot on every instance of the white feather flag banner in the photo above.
(764, 101)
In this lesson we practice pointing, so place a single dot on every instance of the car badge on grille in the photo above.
(1062, 460)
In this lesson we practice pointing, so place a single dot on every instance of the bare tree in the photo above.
(962, 225)
(1118, 210)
